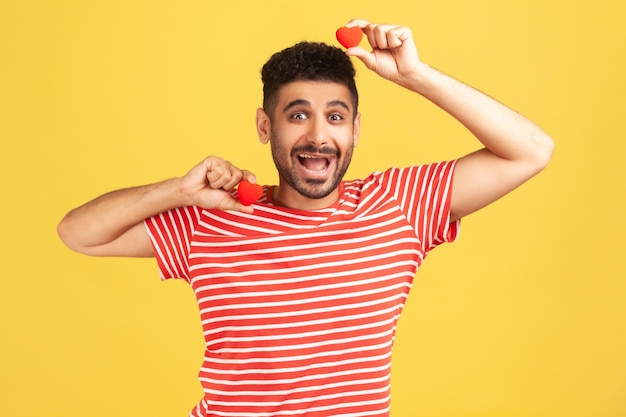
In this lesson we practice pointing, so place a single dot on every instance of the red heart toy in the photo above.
(349, 37)
(248, 193)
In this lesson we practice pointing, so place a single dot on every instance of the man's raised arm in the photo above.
(515, 149)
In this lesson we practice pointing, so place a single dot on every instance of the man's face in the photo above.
(312, 134)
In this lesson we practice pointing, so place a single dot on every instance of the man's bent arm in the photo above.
(515, 150)
(112, 224)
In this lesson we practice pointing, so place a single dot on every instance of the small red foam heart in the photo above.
(349, 37)
(248, 193)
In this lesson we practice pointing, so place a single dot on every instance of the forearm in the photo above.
(105, 219)
(515, 149)
(501, 130)
(112, 224)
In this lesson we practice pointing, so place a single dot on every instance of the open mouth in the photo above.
(315, 163)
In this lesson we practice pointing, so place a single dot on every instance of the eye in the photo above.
(299, 116)
(335, 117)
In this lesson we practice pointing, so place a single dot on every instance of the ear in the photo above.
(263, 126)
(356, 129)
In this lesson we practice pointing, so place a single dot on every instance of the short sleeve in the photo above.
(171, 233)
(424, 193)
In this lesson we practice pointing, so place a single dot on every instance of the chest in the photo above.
(367, 252)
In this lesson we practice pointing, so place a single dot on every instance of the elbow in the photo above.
(67, 234)
(63, 231)
(544, 149)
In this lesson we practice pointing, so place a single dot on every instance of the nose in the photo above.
(318, 134)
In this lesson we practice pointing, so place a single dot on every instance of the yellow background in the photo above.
(523, 316)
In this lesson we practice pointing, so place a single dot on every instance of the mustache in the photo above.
(324, 150)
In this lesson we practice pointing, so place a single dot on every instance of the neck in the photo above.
(285, 196)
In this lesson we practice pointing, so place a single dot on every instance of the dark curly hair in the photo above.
(306, 61)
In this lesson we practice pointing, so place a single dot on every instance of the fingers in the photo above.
(387, 36)
(366, 57)
(222, 174)
(249, 176)
(230, 177)
(382, 36)
(393, 55)
(229, 203)
(361, 23)
(209, 183)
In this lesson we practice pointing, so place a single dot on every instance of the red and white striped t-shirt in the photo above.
(299, 308)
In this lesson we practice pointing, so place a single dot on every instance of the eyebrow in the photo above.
(306, 103)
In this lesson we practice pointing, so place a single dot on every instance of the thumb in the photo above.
(249, 176)
(231, 203)
(368, 58)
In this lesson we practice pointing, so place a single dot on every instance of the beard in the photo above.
(309, 187)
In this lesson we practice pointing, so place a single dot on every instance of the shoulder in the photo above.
(419, 172)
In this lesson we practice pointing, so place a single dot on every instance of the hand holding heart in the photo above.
(393, 55)
(209, 185)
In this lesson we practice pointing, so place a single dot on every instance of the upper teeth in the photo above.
(307, 156)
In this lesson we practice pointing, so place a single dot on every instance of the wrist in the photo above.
(421, 79)
(180, 194)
